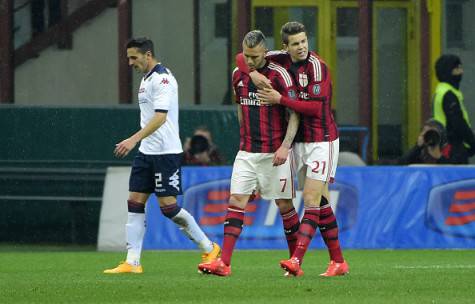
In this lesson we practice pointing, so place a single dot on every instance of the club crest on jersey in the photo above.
(303, 79)
(316, 89)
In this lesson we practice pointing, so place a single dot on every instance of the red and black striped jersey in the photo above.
(314, 85)
(263, 127)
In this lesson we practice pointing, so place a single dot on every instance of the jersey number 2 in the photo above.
(158, 180)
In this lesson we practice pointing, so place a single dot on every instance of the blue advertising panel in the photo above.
(376, 207)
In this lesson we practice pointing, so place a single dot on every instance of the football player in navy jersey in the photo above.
(157, 166)
(264, 158)
(317, 142)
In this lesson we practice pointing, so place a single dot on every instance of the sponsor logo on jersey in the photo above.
(451, 208)
(164, 81)
(142, 90)
(252, 100)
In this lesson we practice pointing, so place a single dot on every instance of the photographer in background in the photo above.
(215, 157)
(197, 153)
(431, 147)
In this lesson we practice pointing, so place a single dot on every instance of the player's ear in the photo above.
(285, 47)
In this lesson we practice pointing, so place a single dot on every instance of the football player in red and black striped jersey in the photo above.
(264, 161)
(317, 143)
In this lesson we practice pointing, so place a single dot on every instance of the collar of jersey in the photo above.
(156, 68)
(264, 67)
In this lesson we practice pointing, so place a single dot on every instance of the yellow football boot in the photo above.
(211, 256)
(125, 267)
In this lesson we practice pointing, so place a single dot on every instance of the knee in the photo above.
(284, 205)
(135, 206)
(170, 211)
(311, 199)
(238, 201)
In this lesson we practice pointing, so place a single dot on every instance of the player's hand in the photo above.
(124, 147)
(420, 140)
(434, 151)
(280, 156)
(268, 96)
(260, 80)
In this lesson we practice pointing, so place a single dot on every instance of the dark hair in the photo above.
(198, 144)
(291, 28)
(143, 44)
(254, 38)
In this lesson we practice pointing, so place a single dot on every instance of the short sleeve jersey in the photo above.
(313, 81)
(263, 127)
(158, 92)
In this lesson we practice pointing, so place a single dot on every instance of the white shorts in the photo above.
(320, 159)
(254, 171)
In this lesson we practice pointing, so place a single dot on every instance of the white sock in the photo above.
(187, 224)
(135, 229)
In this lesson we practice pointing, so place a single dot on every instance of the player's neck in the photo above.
(151, 65)
(297, 60)
(263, 64)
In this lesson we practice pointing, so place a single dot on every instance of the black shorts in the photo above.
(156, 173)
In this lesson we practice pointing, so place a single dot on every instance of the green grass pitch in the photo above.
(376, 276)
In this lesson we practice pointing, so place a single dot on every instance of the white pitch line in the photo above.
(435, 267)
